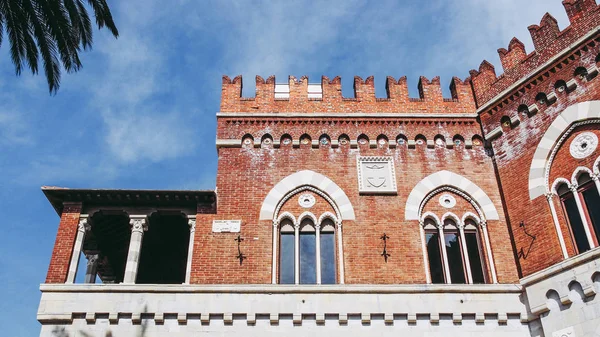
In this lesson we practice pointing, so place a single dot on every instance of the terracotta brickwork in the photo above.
(548, 41)
(247, 173)
(364, 100)
(515, 147)
(63, 246)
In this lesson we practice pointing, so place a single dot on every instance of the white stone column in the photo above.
(444, 253)
(275, 240)
(465, 251)
(340, 253)
(424, 249)
(488, 249)
(139, 224)
(318, 251)
(586, 226)
(561, 239)
(82, 228)
(188, 269)
(92, 268)
(297, 253)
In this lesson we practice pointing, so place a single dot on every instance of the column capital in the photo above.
(92, 258)
(573, 187)
(192, 224)
(483, 224)
(84, 226)
(595, 177)
(549, 196)
(139, 223)
(460, 225)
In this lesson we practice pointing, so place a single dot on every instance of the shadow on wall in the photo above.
(60, 331)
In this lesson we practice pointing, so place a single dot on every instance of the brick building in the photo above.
(475, 214)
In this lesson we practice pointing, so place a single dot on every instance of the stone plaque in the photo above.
(226, 226)
(568, 332)
(376, 175)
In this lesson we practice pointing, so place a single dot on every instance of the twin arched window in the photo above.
(581, 206)
(454, 251)
(307, 252)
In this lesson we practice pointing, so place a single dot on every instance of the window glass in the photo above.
(455, 261)
(474, 257)
(576, 224)
(436, 268)
(308, 273)
(286, 258)
(592, 201)
(327, 258)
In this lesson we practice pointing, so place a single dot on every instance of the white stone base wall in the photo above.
(560, 301)
(441, 310)
(565, 296)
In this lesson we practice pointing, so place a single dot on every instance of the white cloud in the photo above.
(147, 136)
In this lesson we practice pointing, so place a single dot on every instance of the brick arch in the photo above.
(307, 178)
(557, 133)
(448, 179)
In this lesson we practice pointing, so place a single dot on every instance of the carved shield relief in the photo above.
(376, 175)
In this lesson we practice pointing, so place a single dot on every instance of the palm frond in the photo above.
(15, 33)
(103, 16)
(46, 46)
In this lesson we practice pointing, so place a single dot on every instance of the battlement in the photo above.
(302, 96)
(548, 41)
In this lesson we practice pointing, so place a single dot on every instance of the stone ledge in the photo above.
(285, 289)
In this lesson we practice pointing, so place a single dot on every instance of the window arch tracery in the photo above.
(454, 246)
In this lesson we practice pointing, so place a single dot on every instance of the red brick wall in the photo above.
(245, 176)
(515, 148)
(364, 100)
(63, 246)
(548, 41)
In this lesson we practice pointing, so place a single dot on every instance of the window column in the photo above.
(92, 268)
(318, 251)
(424, 249)
(139, 224)
(340, 252)
(444, 253)
(584, 220)
(561, 240)
(488, 249)
(297, 253)
(465, 252)
(188, 269)
(275, 241)
(82, 228)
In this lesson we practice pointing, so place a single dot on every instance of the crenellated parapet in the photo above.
(298, 95)
(548, 40)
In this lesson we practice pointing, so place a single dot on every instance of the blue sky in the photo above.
(141, 112)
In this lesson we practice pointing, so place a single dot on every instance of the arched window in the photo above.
(287, 248)
(474, 249)
(307, 253)
(458, 258)
(454, 252)
(580, 202)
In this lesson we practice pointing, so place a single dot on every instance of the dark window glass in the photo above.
(436, 269)
(286, 258)
(576, 224)
(592, 202)
(474, 257)
(327, 258)
(455, 261)
(308, 258)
